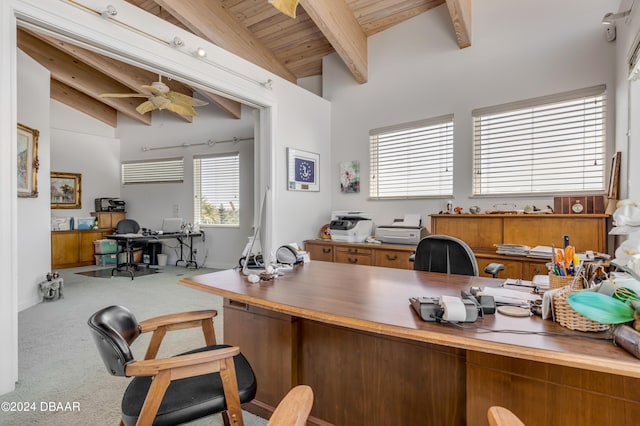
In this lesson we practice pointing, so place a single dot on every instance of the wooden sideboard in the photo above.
(75, 248)
(387, 255)
(483, 231)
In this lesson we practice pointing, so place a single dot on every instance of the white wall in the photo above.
(148, 204)
(34, 238)
(519, 50)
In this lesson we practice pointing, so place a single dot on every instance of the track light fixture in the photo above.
(177, 42)
(109, 12)
(200, 52)
(610, 18)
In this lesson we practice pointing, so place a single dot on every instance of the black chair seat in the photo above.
(191, 398)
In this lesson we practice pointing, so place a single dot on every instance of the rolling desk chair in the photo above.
(449, 255)
(127, 226)
(179, 389)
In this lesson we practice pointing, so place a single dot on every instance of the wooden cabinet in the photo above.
(386, 255)
(74, 248)
(109, 220)
(483, 232)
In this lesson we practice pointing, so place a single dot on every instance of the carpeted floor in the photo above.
(62, 380)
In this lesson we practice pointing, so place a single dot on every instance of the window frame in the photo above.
(420, 126)
(517, 109)
(196, 194)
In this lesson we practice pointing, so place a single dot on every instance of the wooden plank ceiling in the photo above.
(251, 29)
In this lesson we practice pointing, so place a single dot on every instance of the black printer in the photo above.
(109, 205)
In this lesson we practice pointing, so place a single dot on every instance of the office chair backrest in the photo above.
(449, 255)
(127, 226)
(113, 329)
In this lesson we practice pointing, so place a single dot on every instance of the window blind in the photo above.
(545, 145)
(153, 171)
(217, 189)
(412, 160)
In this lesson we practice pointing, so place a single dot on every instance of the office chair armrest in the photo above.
(493, 269)
(177, 321)
(161, 324)
(184, 363)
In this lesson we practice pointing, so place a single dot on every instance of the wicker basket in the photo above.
(557, 281)
(567, 317)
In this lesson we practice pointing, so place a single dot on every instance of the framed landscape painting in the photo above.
(65, 190)
(27, 161)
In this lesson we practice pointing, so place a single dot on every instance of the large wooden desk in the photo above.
(349, 332)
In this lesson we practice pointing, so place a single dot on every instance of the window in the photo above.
(216, 189)
(547, 145)
(412, 160)
(167, 170)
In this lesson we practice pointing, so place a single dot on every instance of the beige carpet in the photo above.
(62, 380)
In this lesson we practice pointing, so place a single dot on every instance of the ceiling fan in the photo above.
(161, 97)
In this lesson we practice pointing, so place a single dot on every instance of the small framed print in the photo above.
(27, 161)
(303, 170)
(65, 190)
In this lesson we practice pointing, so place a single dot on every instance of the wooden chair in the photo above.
(500, 416)
(294, 408)
(214, 379)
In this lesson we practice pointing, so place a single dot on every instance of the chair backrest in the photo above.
(127, 226)
(500, 416)
(113, 329)
(442, 253)
(294, 408)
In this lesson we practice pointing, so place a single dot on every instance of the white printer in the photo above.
(350, 226)
(402, 231)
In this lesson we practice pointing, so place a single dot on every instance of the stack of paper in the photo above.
(541, 252)
(512, 249)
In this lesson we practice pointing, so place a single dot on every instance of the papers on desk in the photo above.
(131, 235)
(544, 252)
(512, 249)
(504, 296)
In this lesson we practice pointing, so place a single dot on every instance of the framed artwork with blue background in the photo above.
(303, 170)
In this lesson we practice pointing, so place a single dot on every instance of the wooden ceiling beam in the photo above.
(83, 103)
(80, 76)
(231, 107)
(460, 12)
(338, 24)
(209, 20)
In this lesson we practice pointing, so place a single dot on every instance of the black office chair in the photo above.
(179, 389)
(449, 255)
(127, 226)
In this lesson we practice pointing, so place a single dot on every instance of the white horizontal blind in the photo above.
(216, 184)
(547, 145)
(153, 171)
(412, 160)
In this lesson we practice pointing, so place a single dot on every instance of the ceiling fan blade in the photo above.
(288, 7)
(182, 99)
(145, 107)
(123, 95)
(182, 109)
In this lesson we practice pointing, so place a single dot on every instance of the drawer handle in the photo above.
(326, 250)
(353, 260)
(536, 271)
(241, 305)
(394, 257)
(353, 251)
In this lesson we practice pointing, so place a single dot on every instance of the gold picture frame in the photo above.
(66, 190)
(28, 162)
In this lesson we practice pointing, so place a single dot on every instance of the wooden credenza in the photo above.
(483, 231)
(74, 248)
(387, 255)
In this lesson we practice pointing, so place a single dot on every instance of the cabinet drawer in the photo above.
(535, 268)
(354, 259)
(354, 251)
(512, 269)
(322, 252)
(393, 259)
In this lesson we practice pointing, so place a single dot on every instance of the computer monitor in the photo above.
(260, 235)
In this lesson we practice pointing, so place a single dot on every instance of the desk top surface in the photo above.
(376, 300)
(162, 236)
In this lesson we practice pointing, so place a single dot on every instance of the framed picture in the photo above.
(303, 170)
(28, 162)
(65, 190)
(350, 176)
(614, 177)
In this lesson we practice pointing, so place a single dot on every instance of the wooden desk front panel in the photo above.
(544, 394)
(64, 249)
(368, 379)
(269, 342)
(477, 231)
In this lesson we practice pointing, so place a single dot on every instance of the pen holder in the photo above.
(558, 281)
